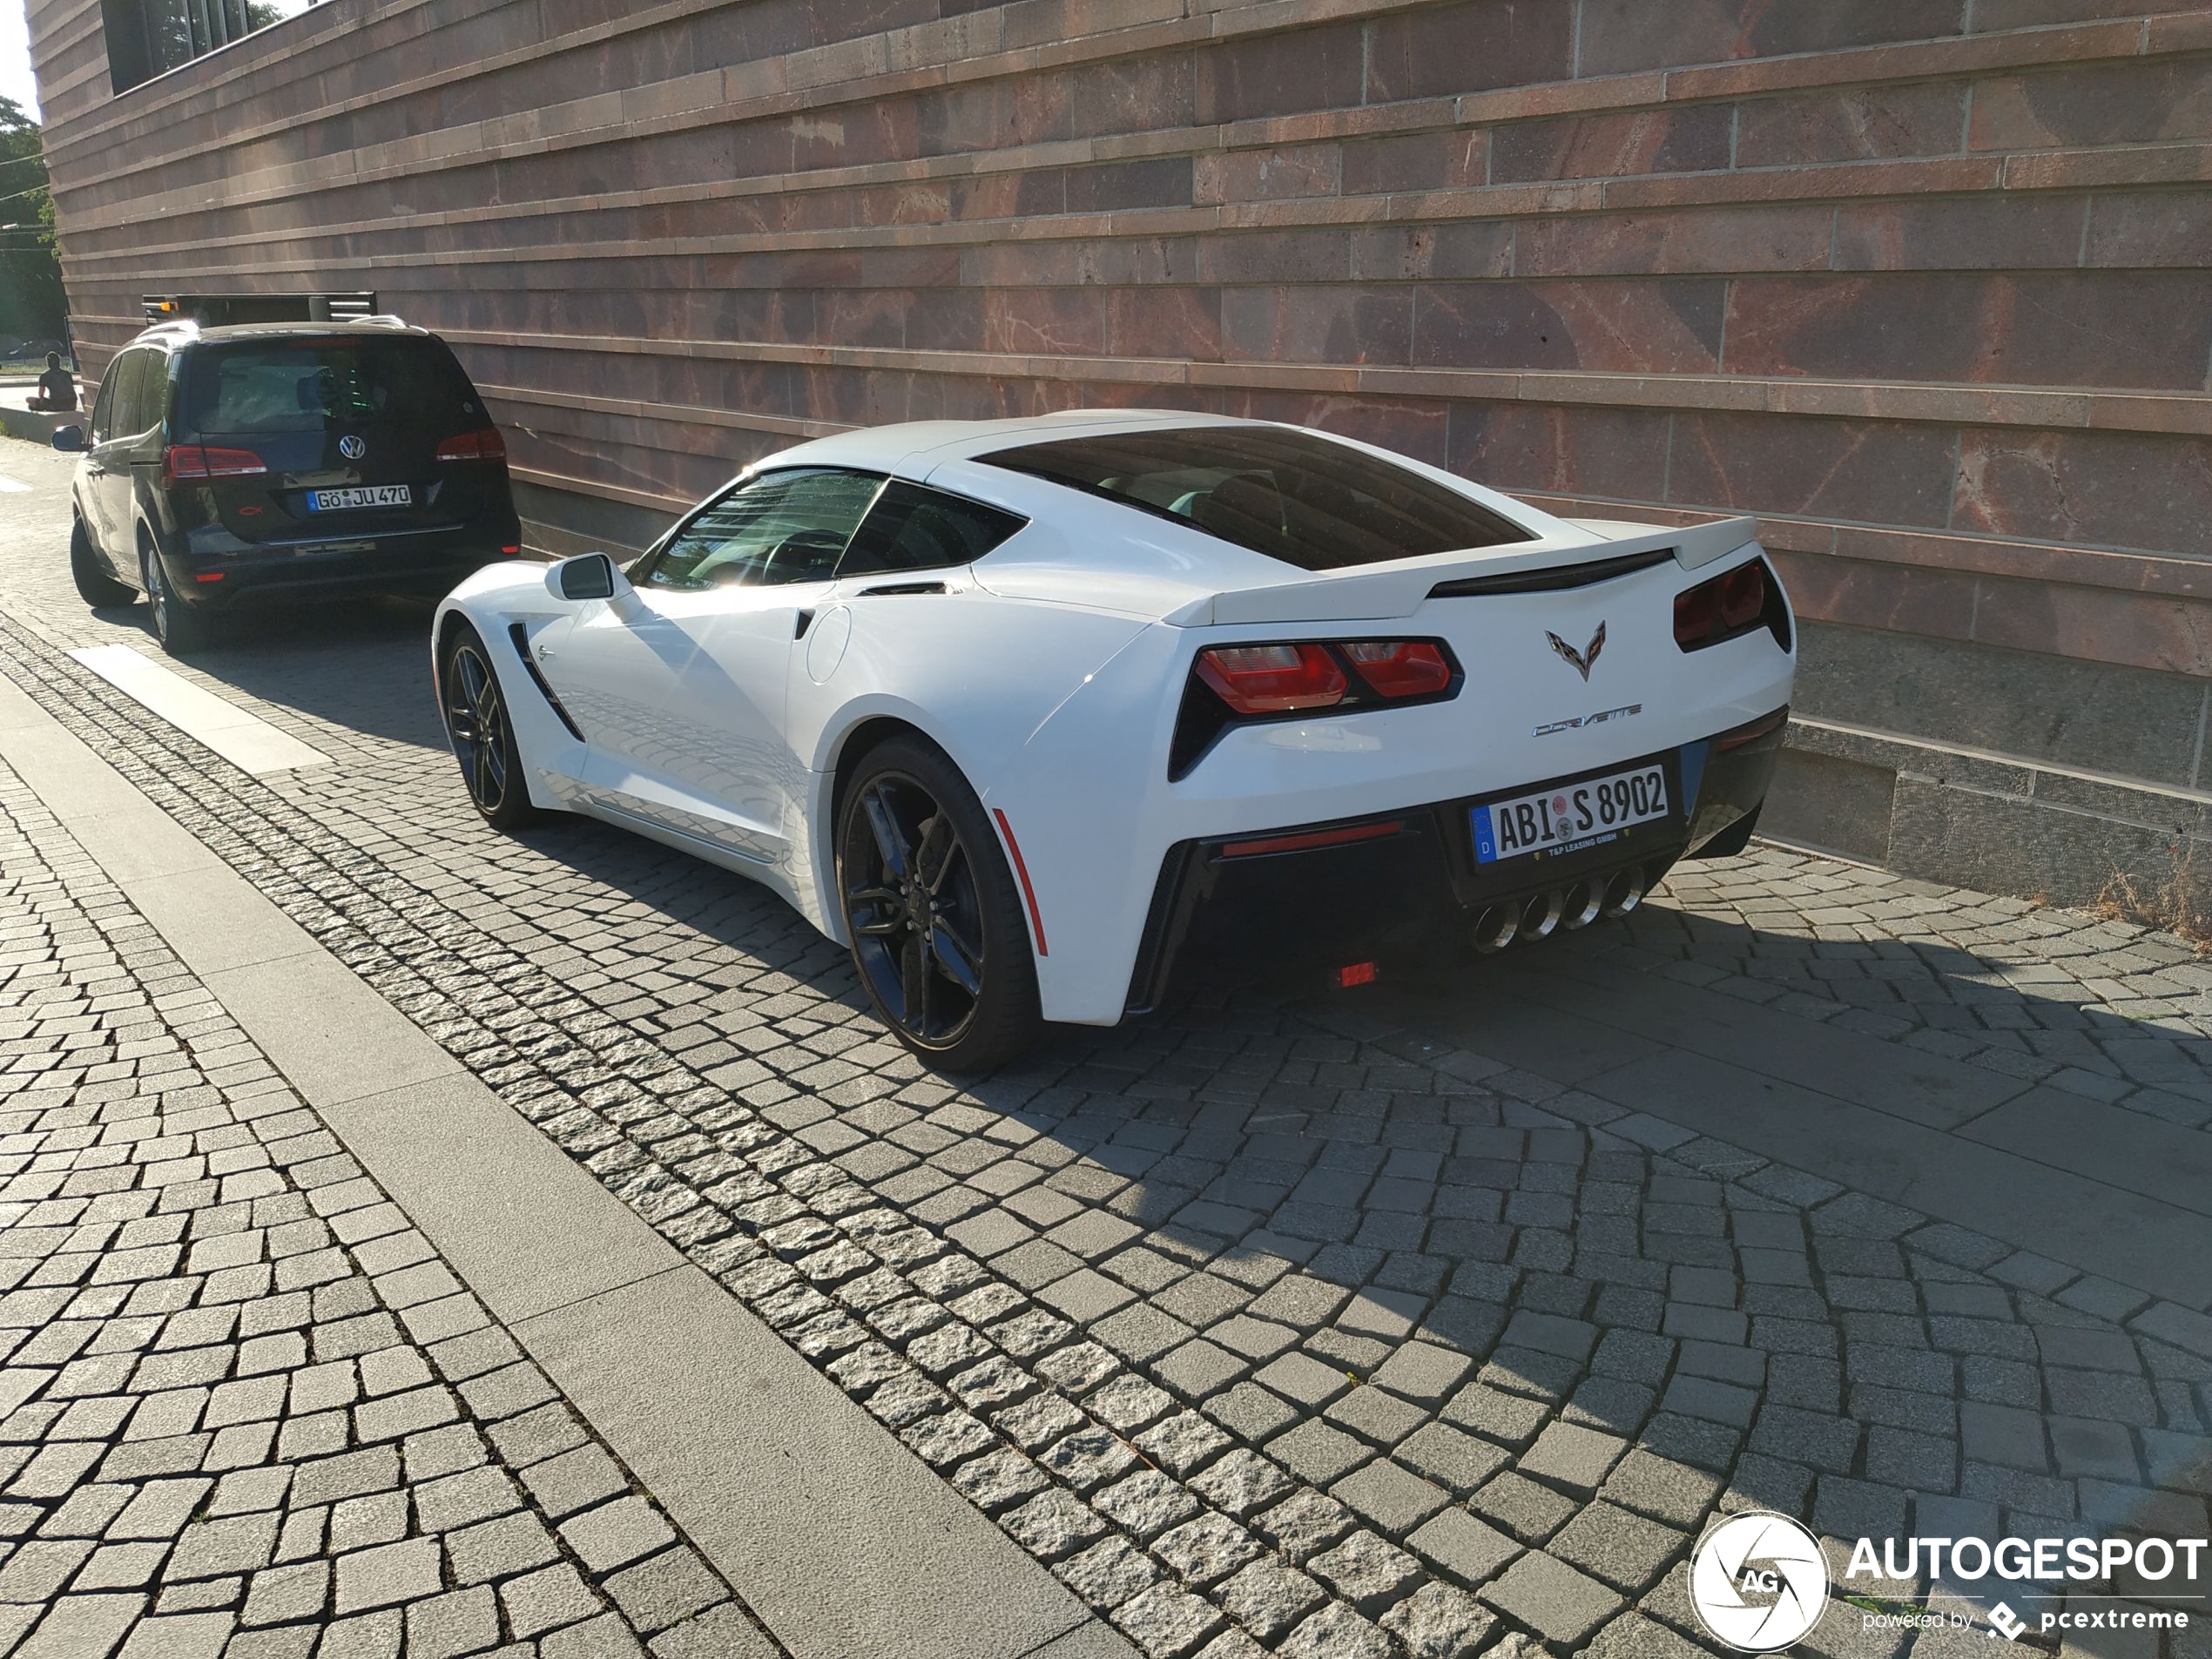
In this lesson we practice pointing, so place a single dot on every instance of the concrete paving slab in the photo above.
(1925, 1089)
(2107, 1143)
(843, 1541)
(517, 1218)
(228, 923)
(241, 737)
(1491, 1018)
(333, 1036)
(2139, 1240)
(1093, 1639)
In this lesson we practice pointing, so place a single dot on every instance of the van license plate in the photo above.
(333, 501)
(1568, 817)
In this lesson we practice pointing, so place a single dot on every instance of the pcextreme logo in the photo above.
(1759, 1583)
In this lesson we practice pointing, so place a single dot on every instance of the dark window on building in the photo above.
(913, 529)
(1296, 497)
(149, 37)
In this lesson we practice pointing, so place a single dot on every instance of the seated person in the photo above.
(56, 386)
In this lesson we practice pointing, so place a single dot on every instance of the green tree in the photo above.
(31, 302)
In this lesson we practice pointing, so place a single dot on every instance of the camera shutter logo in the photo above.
(352, 448)
(1758, 1582)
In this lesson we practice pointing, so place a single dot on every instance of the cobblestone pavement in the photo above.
(1268, 1334)
(246, 1405)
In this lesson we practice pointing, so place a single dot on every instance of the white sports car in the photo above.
(1044, 717)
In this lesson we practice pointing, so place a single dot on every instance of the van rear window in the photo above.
(308, 385)
(1291, 494)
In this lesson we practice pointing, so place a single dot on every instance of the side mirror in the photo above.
(68, 439)
(588, 575)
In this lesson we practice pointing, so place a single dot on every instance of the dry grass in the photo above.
(2177, 901)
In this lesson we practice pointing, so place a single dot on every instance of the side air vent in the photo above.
(523, 649)
(1552, 578)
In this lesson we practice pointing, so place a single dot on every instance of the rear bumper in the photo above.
(1232, 909)
(428, 566)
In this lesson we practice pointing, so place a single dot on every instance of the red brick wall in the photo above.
(1922, 282)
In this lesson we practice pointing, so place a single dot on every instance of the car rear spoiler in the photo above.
(1381, 592)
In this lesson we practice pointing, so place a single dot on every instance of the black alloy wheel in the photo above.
(937, 929)
(180, 628)
(482, 736)
(94, 585)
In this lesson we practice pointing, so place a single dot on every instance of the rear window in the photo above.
(308, 385)
(1302, 499)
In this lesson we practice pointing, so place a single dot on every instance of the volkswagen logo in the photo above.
(1758, 1582)
(352, 448)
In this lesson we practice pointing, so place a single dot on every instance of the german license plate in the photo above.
(1568, 817)
(337, 501)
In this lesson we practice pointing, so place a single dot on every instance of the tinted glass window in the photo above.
(781, 527)
(137, 400)
(1287, 493)
(913, 529)
(308, 385)
(104, 407)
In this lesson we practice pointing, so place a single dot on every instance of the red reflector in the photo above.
(1400, 667)
(1751, 733)
(207, 576)
(486, 445)
(517, 548)
(1269, 679)
(1021, 869)
(1306, 841)
(1354, 974)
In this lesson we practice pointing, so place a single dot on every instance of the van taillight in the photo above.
(181, 461)
(486, 445)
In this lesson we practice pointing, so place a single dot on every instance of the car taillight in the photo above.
(486, 445)
(209, 461)
(1400, 667)
(1272, 679)
(1722, 608)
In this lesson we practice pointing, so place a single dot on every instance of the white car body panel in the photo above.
(1051, 672)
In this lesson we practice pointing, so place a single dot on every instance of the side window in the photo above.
(913, 529)
(104, 406)
(780, 527)
(131, 398)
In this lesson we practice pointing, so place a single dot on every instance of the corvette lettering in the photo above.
(1582, 720)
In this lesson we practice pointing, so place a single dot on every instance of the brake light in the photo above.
(1272, 679)
(1723, 607)
(1400, 667)
(486, 445)
(182, 461)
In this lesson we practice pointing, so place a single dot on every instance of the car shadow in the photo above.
(1256, 1174)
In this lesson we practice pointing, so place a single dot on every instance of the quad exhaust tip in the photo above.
(1624, 892)
(1583, 901)
(1542, 915)
(1495, 927)
(1568, 908)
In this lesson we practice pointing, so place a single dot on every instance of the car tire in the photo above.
(183, 630)
(474, 707)
(94, 585)
(938, 933)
